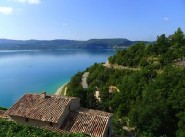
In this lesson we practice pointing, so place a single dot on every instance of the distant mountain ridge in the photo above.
(8, 44)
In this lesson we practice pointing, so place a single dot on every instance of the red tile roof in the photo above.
(34, 106)
(93, 112)
(92, 122)
(51, 108)
(2, 112)
(55, 129)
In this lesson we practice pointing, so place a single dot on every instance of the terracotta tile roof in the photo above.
(92, 122)
(34, 106)
(55, 129)
(93, 112)
(2, 112)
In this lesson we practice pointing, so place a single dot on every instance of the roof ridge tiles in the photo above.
(35, 107)
(93, 112)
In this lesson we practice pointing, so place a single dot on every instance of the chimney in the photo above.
(43, 94)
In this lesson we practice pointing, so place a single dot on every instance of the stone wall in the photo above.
(74, 104)
(63, 117)
(108, 129)
(33, 122)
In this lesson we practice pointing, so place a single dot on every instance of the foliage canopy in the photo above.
(151, 97)
(12, 129)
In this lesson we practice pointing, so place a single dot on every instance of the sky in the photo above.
(87, 19)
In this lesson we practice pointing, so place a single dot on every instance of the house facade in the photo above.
(60, 113)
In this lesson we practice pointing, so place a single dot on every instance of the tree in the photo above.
(162, 44)
(178, 38)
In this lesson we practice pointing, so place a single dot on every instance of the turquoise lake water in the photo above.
(36, 71)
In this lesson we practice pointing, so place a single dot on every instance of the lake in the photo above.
(34, 71)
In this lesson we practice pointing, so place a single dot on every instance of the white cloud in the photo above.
(165, 19)
(29, 1)
(6, 10)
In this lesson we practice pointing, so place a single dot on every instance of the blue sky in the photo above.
(86, 19)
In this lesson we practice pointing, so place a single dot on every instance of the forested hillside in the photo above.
(144, 86)
(6, 44)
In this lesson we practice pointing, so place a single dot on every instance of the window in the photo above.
(108, 132)
(51, 124)
(26, 119)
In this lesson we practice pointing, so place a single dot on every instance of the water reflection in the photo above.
(35, 71)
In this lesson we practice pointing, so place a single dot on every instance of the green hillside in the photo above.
(1, 108)
(12, 129)
(144, 86)
(6, 44)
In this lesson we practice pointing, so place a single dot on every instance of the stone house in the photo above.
(60, 113)
(2, 114)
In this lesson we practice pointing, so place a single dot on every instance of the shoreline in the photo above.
(59, 90)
